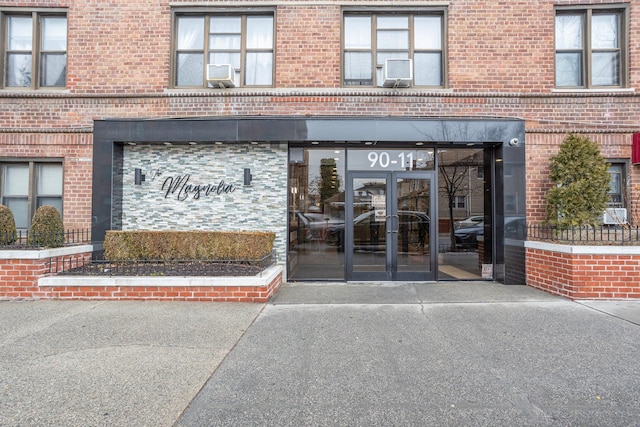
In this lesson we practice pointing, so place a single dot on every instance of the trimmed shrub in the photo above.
(8, 232)
(187, 245)
(47, 228)
(581, 178)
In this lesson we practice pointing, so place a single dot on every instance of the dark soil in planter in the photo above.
(160, 268)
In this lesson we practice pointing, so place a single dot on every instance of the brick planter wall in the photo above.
(238, 289)
(584, 272)
(24, 275)
(21, 269)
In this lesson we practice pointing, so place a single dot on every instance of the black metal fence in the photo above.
(25, 239)
(586, 235)
(99, 267)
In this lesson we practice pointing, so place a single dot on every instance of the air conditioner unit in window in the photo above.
(614, 216)
(220, 75)
(397, 73)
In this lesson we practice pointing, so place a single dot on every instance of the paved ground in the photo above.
(454, 354)
(71, 363)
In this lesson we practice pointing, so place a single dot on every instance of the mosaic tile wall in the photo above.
(201, 188)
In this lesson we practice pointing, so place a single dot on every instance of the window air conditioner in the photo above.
(614, 216)
(220, 75)
(398, 73)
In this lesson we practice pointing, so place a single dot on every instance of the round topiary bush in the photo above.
(47, 228)
(8, 232)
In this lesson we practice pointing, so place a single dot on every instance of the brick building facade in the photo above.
(127, 101)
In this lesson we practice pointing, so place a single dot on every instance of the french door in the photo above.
(389, 226)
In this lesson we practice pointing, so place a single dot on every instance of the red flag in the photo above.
(635, 153)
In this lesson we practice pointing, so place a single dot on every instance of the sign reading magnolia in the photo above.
(180, 186)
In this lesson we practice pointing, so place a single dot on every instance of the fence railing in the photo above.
(586, 235)
(25, 239)
(99, 267)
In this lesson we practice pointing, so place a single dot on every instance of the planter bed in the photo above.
(162, 268)
(34, 274)
(254, 288)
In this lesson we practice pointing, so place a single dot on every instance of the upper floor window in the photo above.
(25, 186)
(35, 50)
(591, 47)
(245, 42)
(371, 38)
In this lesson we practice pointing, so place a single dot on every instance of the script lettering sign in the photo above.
(181, 187)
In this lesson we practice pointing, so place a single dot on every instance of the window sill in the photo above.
(308, 91)
(29, 91)
(607, 90)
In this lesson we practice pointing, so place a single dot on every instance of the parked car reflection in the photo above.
(467, 237)
(370, 233)
(515, 227)
(470, 221)
(314, 226)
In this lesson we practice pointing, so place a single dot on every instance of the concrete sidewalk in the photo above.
(446, 354)
(471, 353)
(79, 363)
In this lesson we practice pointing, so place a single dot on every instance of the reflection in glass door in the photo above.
(367, 237)
(412, 226)
(388, 230)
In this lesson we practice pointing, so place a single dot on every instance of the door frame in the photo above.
(391, 272)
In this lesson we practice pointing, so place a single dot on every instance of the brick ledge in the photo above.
(256, 289)
(44, 253)
(259, 280)
(582, 249)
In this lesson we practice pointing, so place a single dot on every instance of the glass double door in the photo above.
(389, 223)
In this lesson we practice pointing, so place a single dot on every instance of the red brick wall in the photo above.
(19, 277)
(582, 276)
(118, 47)
(19, 280)
(492, 45)
(259, 294)
(541, 146)
(76, 152)
(500, 64)
(308, 46)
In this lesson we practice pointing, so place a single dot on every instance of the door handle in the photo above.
(397, 223)
(388, 224)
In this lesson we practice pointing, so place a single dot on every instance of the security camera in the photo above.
(514, 142)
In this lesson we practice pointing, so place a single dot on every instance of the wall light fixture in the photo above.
(139, 176)
(247, 176)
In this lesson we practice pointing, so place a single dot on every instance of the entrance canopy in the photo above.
(307, 129)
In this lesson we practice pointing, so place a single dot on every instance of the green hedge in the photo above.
(8, 232)
(47, 228)
(187, 245)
